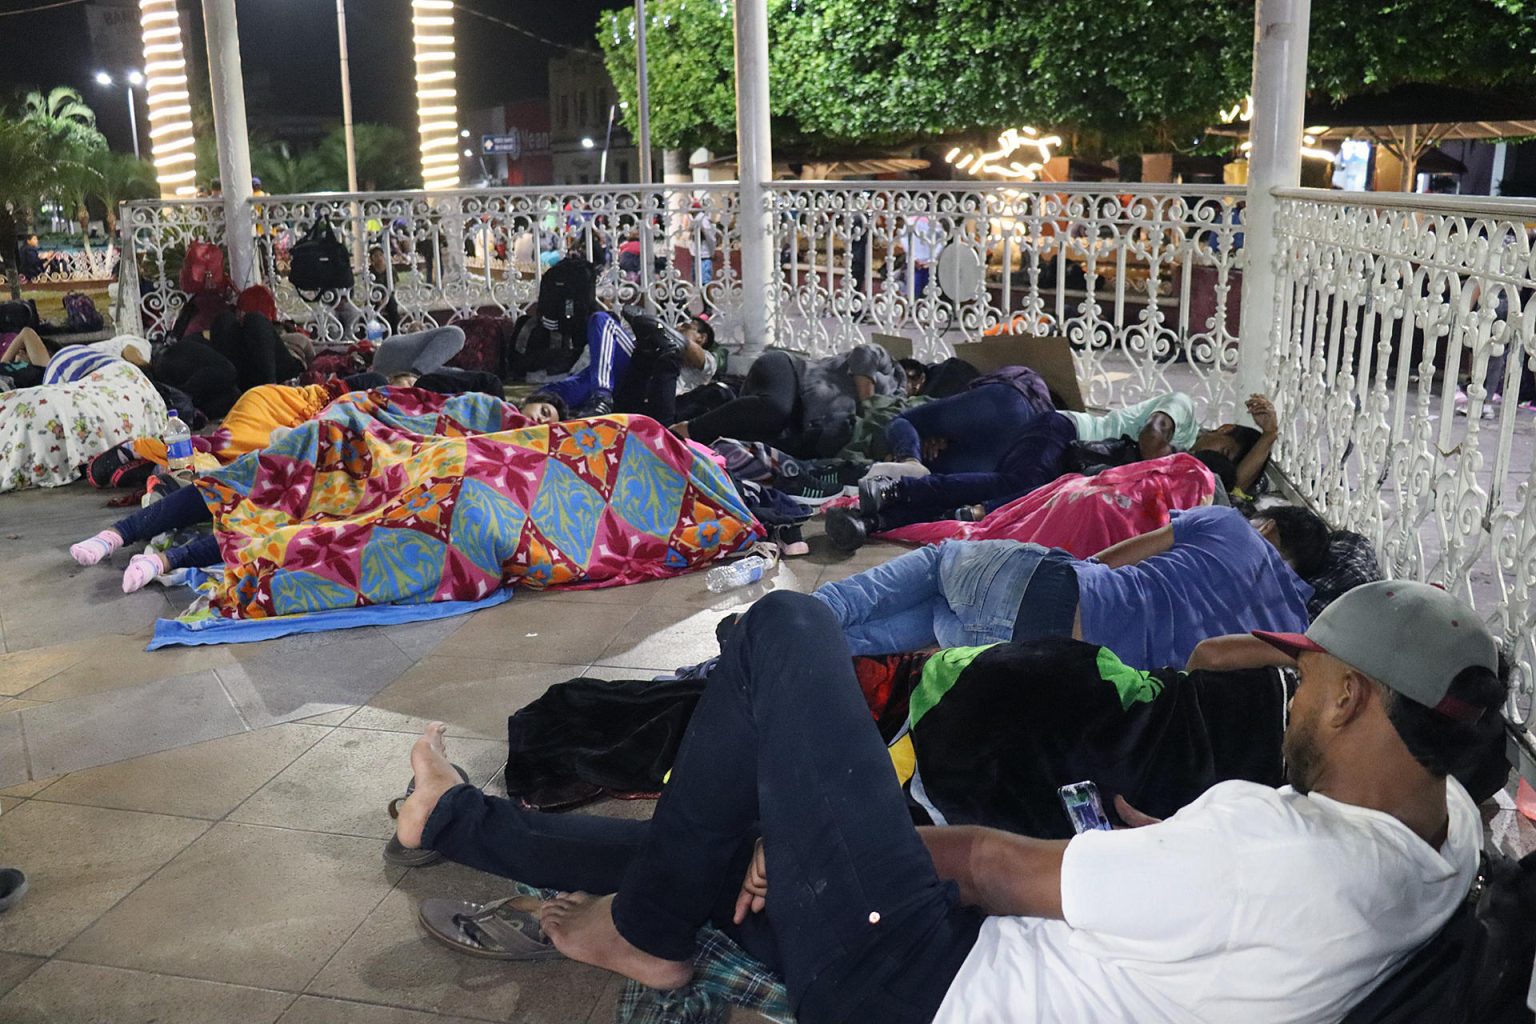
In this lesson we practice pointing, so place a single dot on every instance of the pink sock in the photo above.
(94, 549)
(141, 569)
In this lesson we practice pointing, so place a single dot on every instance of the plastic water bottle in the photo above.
(178, 448)
(375, 331)
(736, 574)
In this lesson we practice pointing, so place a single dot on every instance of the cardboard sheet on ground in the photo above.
(199, 625)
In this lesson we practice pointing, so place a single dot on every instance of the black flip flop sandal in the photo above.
(396, 852)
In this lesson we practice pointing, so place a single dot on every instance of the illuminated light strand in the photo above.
(997, 161)
(432, 25)
(168, 103)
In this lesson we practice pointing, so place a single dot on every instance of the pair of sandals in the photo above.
(505, 929)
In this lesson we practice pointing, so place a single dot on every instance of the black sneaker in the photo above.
(875, 493)
(600, 404)
(847, 530)
(813, 486)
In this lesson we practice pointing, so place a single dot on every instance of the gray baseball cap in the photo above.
(1412, 637)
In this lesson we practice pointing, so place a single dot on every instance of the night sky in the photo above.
(288, 48)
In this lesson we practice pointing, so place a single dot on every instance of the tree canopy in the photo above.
(1136, 74)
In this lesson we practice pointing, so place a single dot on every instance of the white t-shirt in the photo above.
(1251, 904)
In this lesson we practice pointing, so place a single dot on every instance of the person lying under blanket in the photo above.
(1033, 453)
(1149, 599)
(782, 825)
(91, 398)
(404, 496)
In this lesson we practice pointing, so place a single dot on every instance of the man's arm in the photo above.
(1228, 653)
(1263, 412)
(1129, 552)
(1006, 875)
(695, 357)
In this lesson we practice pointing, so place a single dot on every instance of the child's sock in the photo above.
(95, 549)
(141, 569)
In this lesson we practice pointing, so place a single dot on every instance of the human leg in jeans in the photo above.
(889, 608)
(418, 353)
(764, 411)
(857, 921)
(176, 511)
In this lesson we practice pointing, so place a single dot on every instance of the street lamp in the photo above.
(132, 78)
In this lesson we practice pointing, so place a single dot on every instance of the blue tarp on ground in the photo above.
(198, 626)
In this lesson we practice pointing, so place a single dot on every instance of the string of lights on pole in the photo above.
(436, 96)
(169, 102)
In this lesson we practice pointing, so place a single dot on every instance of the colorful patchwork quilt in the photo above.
(401, 496)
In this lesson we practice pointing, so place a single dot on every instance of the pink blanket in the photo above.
(1085, 514)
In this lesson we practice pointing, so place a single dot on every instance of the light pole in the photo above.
(346, 96)
(131, 79)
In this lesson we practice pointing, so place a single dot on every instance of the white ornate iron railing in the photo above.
(66, 266)
(1137, 276)
(423, 259)
(1383, 304)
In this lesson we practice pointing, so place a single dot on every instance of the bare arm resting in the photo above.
(1006, 875)
(1136, 549)
(1227, 653)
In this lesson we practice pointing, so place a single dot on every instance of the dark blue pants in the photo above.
(610, 346)
(1033, 460)
(980, 426)
(176, 511)
(857, 923)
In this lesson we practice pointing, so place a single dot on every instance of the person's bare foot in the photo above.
(581, 927)
(434, 775)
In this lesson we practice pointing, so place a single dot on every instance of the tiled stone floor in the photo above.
(201, 827)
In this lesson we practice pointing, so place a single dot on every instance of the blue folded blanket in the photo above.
(198, 625)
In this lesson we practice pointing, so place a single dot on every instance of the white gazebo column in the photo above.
(228, 89)
(754, 161)
(1279, 98)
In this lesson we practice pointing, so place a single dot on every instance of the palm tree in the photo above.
(64, 118)
(121, 177)
(72, 181)
(386, 157)
(23, 172)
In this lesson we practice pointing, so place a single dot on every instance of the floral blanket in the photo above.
(48, 433)
(401, 496)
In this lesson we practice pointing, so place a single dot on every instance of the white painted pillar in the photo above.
(643, 96)
(754, 161)
(1279, 96)
(227, 85)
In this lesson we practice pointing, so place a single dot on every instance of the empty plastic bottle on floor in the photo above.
(178, 448)
(736, 574)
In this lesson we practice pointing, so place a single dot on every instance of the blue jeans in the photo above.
(610, 346)
(176, 511)
(959, 594)
(981, 425)
(781, 745)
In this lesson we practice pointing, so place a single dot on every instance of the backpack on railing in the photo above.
(80, 315)
(319, 261)
(203, 269)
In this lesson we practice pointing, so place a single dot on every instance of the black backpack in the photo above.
(1477, 969)
(567, 296)
(16, 314)
(319, 261)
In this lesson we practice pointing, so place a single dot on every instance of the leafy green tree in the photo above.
(386, 158)
(72, 180)
(1137, 74)
(67, 123)
(23, 173)
(119, 178)
(284, 172)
